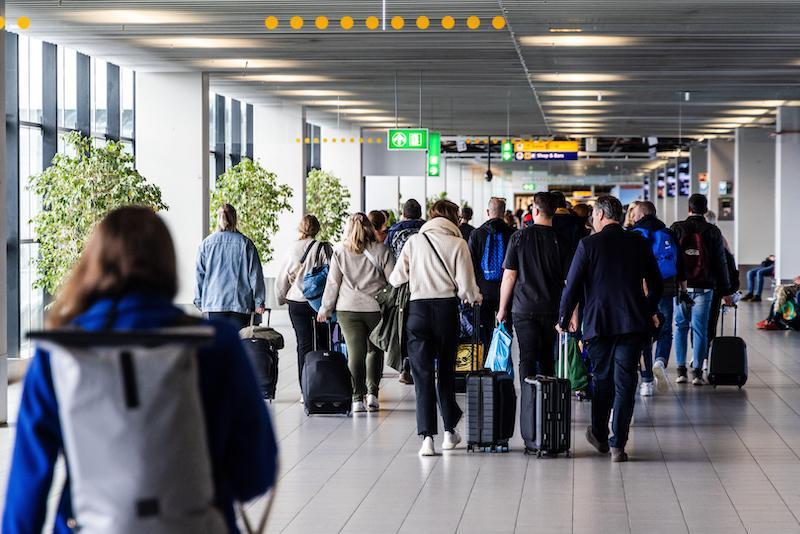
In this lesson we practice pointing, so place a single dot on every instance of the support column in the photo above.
(721, 169)
(172, 151)
(698, 164)
(671, 203)
(4, 235)
(661, 203)
(753, 196)
(787, 192)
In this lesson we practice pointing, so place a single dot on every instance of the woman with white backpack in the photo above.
(359, 269)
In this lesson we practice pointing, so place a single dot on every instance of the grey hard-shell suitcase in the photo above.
(491, 410)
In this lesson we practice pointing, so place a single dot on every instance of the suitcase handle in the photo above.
(314, 330)
(735, 318)
(562, 367)
(267, 312)
(261, 527)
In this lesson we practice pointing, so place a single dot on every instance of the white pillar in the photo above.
(3, 235)
(721, 169)
(787, 192)
(172, 151)
(754, 195)
(698, 164)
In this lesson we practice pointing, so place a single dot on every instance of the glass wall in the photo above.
(230, 134)
(34, 134)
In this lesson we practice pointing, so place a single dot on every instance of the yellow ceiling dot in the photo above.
(316, 140)
(473, 22)
(308, 140)
(468, 141)
(423, 22)
(2, 22)
(296, 22)
(343, 140)
(324, 139)
(352, 140)
(369, 140)
(24, 23)
(333, 140)
(379, 140)
(297, 140)
(271, 22)
(448, 22)
(398, 22)
(498, 22)
(321, 23)
(346, 23)
(361, 140)
(372, 23)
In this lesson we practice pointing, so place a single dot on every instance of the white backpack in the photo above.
(134, 431)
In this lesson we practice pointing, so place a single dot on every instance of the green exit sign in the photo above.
(434, 154)
(530, 187)
(507, 151)
(408, 139)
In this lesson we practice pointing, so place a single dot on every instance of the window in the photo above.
(99, 98)
(30, 80)
(67, 88)
(127, 97)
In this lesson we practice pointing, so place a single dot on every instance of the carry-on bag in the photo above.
(134, 430)
(727, 358)
(470, 354)
(262, 344)
(325, 381)
(491, 410)
(546, 411)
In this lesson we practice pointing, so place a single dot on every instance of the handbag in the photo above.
(499, 357)
(314, 280)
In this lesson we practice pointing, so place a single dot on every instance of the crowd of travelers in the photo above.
(617, 279)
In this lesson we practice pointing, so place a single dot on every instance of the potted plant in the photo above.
(77, 190)
(259, 200)
(329, 200)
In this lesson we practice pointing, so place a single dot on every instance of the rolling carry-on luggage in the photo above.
(325, 382)
(546, 410)
(262, 344)
(491, 410)
(471, 352)
(727, 358)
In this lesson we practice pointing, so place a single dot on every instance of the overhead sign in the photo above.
(434, 154)
(546, 150)
(507, 151)
(408, 139)
(530, 187)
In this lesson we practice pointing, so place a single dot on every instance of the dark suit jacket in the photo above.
(606, 278)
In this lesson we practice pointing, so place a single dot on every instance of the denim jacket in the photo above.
(228, 274)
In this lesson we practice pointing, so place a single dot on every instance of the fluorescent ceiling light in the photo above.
(134, 16)
(570, 111)
(287, 78)
(760, 103)
(585, 77)
(313, 92)
(374, 118)
(579, 40)
(354, 111)
(729, 125)
(754, 111)
(341, 103)
(201, 42)
(575, 125)
(246, 63)
(578, 93)
(565, 30)
(577, 103)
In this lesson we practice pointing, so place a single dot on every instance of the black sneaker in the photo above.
(756, 299)
(406, 378)
(601, 446)
(747, 297)
(683, 376)
(698, 377)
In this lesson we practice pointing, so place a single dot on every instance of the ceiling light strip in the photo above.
(524, 65)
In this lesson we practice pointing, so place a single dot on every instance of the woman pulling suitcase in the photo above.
(358, 271)
(437, 265)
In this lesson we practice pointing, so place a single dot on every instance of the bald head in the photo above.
(642, 210)
(496, 208)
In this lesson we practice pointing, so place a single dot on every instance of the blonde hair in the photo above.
(226, 218)
(629, 214)
(359, 233)
(309, 227)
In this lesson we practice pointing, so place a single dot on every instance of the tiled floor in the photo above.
(702, 461)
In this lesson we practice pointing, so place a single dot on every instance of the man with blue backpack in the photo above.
(665, 249)
(487, 245)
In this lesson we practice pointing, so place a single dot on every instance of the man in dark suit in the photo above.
(606, 277)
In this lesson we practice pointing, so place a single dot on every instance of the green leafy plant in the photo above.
(430, 201)
(77, 190)
(258, 198)
(329, 200)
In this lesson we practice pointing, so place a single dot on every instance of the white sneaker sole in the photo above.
(661, 378)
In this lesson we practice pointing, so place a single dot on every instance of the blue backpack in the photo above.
(664, 250)
(493, 256)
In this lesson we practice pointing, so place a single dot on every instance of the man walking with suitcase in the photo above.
(606, 276)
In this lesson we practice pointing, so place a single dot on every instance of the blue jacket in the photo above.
(240, 436)
(401, 225)
(228, 274)
(606, 278)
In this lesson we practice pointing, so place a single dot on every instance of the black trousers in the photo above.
(432, 333)
(713, 317)
(304, 321)
(239, 320)
(536, 336)
(615, 361)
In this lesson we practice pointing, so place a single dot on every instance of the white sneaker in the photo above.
(646, 389)
(660, 374)
(451, 439)
(359, 407)
(302, 400)
(372, 403)
(427, 447)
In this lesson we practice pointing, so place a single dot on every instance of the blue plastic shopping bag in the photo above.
(499, 357)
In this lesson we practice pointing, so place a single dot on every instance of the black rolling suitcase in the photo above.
(262, 344)
(491, 410)
(727, 358)
(546, 411)
(471, 352)
(325, 382)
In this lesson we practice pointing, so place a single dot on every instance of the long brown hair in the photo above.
(359, 233)
(444, 208)
(130, 250)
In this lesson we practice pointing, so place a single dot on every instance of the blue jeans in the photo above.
(695, 317)
(663, 342)
(755, 279)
